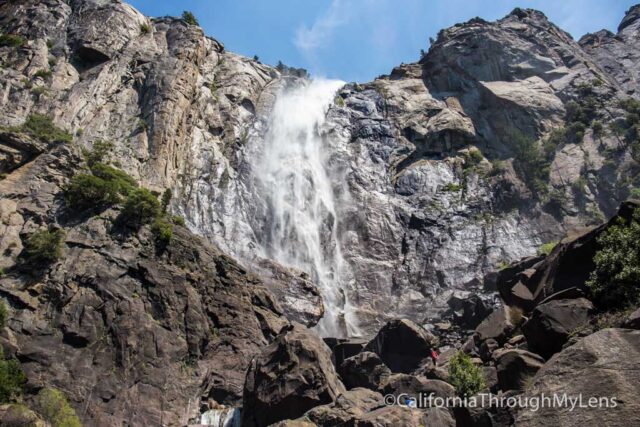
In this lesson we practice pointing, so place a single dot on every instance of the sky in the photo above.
(357, 40)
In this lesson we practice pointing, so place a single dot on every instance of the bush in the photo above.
(124, 183)
(43, 74)
(12, 40)
(42, 127)
(473, 157)
(166, 199)
(86, 191)
(178, 220)
(99, 151)
(44, 246)
(140, 207)
(452, 187)
(145, 28)
(466, 377)
(189, 18)
(547, 248)
(12, 379)
(53, 406)
(530, 162)
(615, 281)
(162, 231)
(3, 315)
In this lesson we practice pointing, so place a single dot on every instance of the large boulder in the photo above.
(399, 384)
(604, 365)
(291, 375)
(343, 348)
(552, 323)
(402, 345)
(515, 367)
(364, 370)
(498, 325)
(347, 407)
(393, 416)
(633, 320)
(468, 311)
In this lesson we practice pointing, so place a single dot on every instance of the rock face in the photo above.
(603, 366)
(291, 376)
(402, 345)
(551, 324)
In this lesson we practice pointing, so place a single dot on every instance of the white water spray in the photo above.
(298, 190)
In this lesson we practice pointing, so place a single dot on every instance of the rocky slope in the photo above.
(504, 136)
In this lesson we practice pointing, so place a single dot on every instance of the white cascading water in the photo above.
(298, 191)
(229, 417)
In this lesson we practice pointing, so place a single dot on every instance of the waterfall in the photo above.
(229, 417)
(298, 189)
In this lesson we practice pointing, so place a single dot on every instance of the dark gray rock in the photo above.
(289, 377)
(364, 370)
(552, 323)
(516, 367)
(402, 345)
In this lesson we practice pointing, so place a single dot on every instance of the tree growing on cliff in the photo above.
(189, 18)
(615, 281)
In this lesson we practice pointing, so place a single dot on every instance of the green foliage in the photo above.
(42, 127)
(49, 44)
(189, 18)
(43, 74)
(178, 220)
(452, 187)
(162, 231)
(98, 153)
(256, 58)
(615, 281)
(4, 314)
(44, 246)
(466, 377)
(635, 193)
(145, 28)
(12, 40)
(53, 406)
(531, 163)
(472, 158)
(104, 187)
(339, 101)
(166, 199)
(140, 207)
(547, 248)
(12, 379)
(597, 127)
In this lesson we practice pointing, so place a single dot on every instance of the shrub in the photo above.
(189, 18)
(44, 246)
(466, 377)
(12, 379)
(547, 248)
(530, 162)
(140, 207)
(145, 28)
(166, 199)
(178, 220)
(3, 315)
(53, 406)
(124, 183)
(98, 153)
(42, 127)
(615, 281)
(12, 40)
(452, 187)
(473, 157)
(162, 231)
(43, 74)
(89, 191)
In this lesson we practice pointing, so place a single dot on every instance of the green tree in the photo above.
(466, 377)
(53, 406)
(4, 314)
(140, 207)
(42, 127)
(12, 379)
(615, 281)
(44, 246)
(189, 18)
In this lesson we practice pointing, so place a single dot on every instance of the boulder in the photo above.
(347, 407)
(364, 370)
(603, 365)
(487, 348)
(468, 311)
(344, 348)
(498, 325)
(291, 375)
(393, 416)
(552, 323)
(398, 384)
(515, 367)
(402, 345)
(633, 320)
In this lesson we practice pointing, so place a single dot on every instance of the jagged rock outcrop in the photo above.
(292, 375)
(602, 366)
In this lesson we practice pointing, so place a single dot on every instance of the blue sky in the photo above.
(356, 40)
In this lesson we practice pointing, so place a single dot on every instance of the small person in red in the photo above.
(434, 357)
